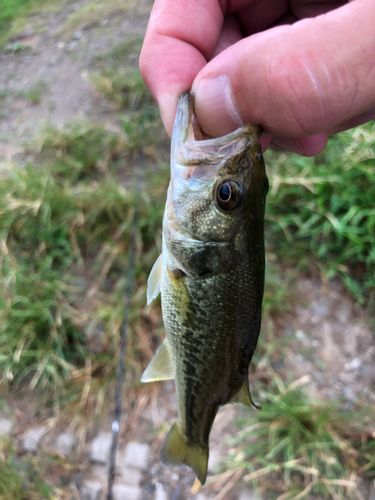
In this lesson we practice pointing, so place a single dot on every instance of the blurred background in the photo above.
(77, 125)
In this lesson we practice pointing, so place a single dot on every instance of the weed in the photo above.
(15, 48)
(28, 477)
(35, 93)
(12, 10)
(93, 12)
(123, 86)
(4, 94)
(65, 231)
(303, 448)
(65, 226)
(128, 51)
(322, 209)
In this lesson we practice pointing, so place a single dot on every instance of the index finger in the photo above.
(180, 38)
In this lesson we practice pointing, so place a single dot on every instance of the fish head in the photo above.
(212, 181)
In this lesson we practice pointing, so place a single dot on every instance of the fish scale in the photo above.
(211, 278)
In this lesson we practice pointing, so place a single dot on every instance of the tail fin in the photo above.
(176, 451)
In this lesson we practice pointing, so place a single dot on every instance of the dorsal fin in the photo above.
(243, 396)
(154, 280)
(161, 366)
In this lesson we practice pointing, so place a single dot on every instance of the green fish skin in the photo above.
(211, 278)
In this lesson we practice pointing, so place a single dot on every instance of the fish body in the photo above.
(211, 277)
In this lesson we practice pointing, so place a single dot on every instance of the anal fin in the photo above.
(243, 396)
(161, 366)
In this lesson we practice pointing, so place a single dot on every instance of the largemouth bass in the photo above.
(211, 278)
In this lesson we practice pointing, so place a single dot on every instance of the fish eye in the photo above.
(229, 194)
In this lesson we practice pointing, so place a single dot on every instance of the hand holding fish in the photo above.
(301, 69)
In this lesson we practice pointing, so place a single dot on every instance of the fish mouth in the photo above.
(198, 159)
(212, 151)
(201, 160)
(186, 127)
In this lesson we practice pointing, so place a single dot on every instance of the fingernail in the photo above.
(214, 106)
(288, 144)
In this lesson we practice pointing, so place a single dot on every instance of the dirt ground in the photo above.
(51, 57)
(333, 344)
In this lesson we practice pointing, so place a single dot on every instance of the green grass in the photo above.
(64, 230)
(123, 85)
(93, 12)
(65, 233)
(33, 94)
(320, 215)
(302, 448)
(30, 477)
(321, 210)
(12, 10)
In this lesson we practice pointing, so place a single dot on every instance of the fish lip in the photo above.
(212, 152)
(190, 149)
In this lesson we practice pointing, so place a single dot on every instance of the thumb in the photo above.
(295, 81)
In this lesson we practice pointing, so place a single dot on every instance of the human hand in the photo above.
(302, 69)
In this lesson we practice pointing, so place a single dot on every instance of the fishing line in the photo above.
(124, 329)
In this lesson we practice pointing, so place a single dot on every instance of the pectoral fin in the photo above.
(154, 280)
(243, 396)
(161, 366)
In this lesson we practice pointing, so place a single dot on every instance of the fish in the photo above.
(211, 278)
